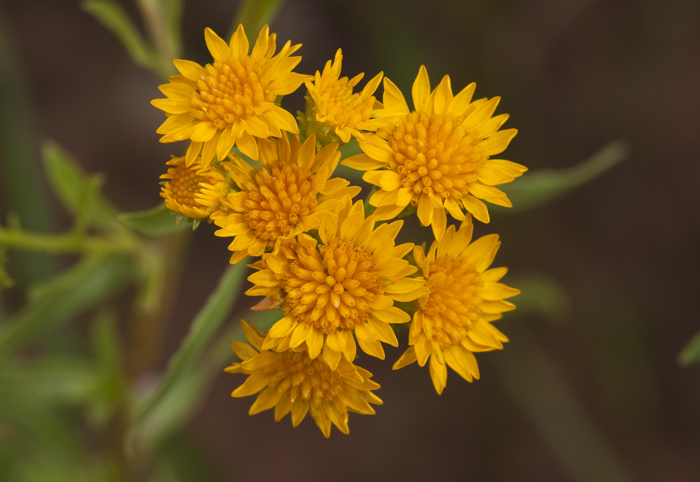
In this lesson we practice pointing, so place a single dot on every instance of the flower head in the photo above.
(232, 100)
(290, 193)
(291, 381)
(345, 284)
(194, 191)
(454, 320)
(438, 156)
(333, 110)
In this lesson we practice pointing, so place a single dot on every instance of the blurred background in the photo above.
(590, 386)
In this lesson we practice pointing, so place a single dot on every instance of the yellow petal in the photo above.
(438, 373)
(408, 357)
(216, 45)
(421, 89)
(239, 43)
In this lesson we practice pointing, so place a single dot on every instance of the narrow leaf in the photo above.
(253, 14)
(155, 222)
(541, 187)
(203, 328)
(691, 352)
(73, 188)
(80, 288)
(115, 19)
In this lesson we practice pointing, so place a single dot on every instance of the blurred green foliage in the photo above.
(53, 401)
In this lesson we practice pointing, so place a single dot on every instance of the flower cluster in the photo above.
(328, 262)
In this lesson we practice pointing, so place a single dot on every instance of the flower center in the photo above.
(433, 154)
(452, 306)
(332, 287)
(304, 378)
(344, 107)
(231, 91)
(278, 200)
(185, 183)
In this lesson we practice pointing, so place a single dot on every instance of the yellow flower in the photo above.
(454, 320)
(194, 191)
(345, 284)
(231, 101)
(293, 382)
(289, 194)
(438, 156)
(334, 109)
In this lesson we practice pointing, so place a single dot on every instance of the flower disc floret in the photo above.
(193, 191)
(334, 111)
(339, 289)
(437, 157)
(290, 193)
(291, 381)
(455, 319)
(230, 101)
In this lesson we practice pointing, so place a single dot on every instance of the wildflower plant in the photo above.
(331, 275)
(334, 271)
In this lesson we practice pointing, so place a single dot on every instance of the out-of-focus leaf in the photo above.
(188, 394)
(202, 329)
(155, 222)
(172, 13)
(540, 294)
(536, 386)
(162, 18)
(183, 459)
(253, 14)
(176, 407)
(46, 381)
(80, 288)
(5, 280)
(77, 191)
(110, 386)
(22, 186)
(115, 19)
(691, 352)
(540, 187)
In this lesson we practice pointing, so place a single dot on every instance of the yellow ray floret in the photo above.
(439, 156)
(232, 100)
(454, 320)
(290, 193)
(291, 381)
(339, 289)
(334, 112)
(194, 191)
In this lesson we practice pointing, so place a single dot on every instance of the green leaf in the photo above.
(77, 191)
(172, 13)
(253, 14)
(155, 222)
(110, 386)
(203, 328)
(540, 294)
(115, 19)
(540, 187)
(47, 380)
(78, 289)
(691, 352)
(22, 187)
(536, 386)
(5, 280)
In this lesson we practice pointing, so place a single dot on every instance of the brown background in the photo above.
(574, 75)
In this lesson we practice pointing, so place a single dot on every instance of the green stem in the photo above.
(65, 243)
(157, 27)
